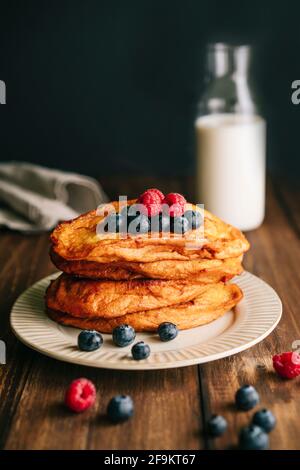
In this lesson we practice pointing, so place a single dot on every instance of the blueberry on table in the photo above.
(194, 217)
(265, 419)
(123, 335)
(89, 340)
(253, 438)
(167, 331)
(216, 426)
(179, 224)
(140, 351)
(246, 397)
(120, 408)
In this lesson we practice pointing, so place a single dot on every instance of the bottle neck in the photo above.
(228, 88)
(227, 61)
(218, 63)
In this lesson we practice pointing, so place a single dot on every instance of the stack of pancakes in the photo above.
(140, 279)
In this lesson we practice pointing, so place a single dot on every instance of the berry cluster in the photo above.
(255, 435)
(156, 213)
(124, 335)
(81, 393)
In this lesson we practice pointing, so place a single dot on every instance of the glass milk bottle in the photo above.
(230, 141)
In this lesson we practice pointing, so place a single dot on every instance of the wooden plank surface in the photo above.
(171, 406)
(42, 422)
(274, 257)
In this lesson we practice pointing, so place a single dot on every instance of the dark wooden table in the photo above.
(172, 406)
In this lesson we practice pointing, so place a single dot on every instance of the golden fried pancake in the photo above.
(78, 240)
(204, 270)
(90, 298)
(208, 306)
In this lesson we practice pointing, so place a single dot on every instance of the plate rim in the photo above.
(145, 365)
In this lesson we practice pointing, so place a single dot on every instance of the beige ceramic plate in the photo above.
(251, 321)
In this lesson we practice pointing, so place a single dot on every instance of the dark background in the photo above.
(106, 87)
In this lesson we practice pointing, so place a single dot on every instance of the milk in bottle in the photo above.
(230, 142)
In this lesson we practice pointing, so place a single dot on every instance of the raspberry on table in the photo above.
(80, 395)
(176, 202)
(287, 364)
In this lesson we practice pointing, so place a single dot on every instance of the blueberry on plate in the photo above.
(265, 419)
(123, 335)
(167, 331)
(194, 217)
(253, 438)
(120, 408)
(140, 351)
(113, 223)
(246, 397)
(216, 426)
(179, 224)
(89, 340)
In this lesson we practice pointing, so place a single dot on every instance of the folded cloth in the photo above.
(34, 198)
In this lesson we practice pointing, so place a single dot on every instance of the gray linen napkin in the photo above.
(35, 198)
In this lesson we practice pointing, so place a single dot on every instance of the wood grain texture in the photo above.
(172, 406)
(275, 257)
(42, 422)
(22, 261)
